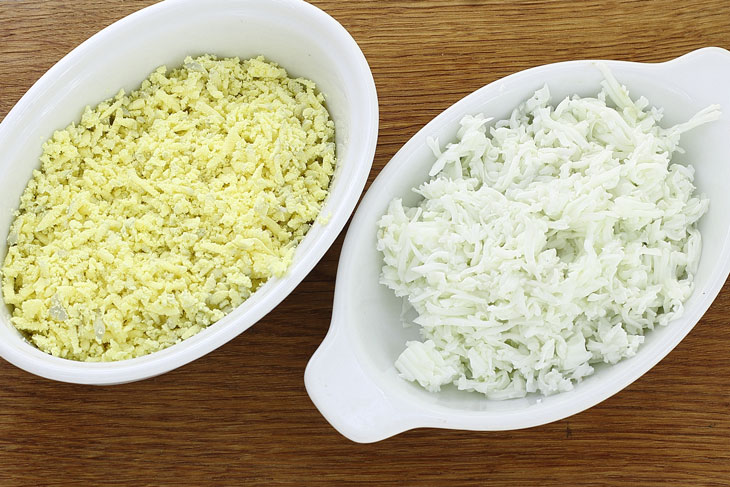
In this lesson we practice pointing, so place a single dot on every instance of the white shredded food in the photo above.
(545, 243)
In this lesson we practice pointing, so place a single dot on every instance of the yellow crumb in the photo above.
(162, 210)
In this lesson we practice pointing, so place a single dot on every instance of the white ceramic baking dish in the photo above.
(351, 377)
(300, 37)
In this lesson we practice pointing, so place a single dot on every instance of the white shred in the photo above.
(57, 311)
(99, 327)
(12, 237)
(545, 243)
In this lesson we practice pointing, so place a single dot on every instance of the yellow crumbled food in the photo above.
(164, 209)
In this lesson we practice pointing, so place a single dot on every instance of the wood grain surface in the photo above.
(241, 415)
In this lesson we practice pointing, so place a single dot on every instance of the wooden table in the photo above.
(241, 415)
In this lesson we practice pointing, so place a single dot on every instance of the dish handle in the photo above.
(700, 71)
(347, 397)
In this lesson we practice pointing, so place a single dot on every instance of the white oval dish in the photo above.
(300, 37)
(351, 377)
